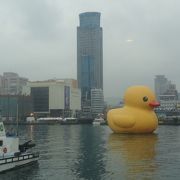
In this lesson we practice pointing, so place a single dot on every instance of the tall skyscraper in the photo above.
(89, 54)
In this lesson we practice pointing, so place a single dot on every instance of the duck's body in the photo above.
(137, 116)
(131, 120)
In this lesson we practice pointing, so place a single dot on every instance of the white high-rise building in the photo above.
(97, 101)
(12, 84)
(160, 84)
(164, 87)
(166, 93)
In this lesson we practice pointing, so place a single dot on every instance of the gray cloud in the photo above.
(39, 19)
(38, 39)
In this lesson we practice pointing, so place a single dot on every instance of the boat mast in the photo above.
(17, 121)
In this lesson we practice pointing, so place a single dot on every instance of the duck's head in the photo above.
(140, 96)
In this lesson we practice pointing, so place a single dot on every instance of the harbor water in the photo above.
(71, 152)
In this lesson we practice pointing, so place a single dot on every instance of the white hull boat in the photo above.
(49, 120)
(13, 155)
(69, 120)
(99, 121)
(13, 162)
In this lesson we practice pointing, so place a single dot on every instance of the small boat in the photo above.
(49, 120)
(99, 121)
(30, 119)
(69, 120)
(12, 154)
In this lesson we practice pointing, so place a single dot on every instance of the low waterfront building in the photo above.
(55, 97)
(15, 106)
(1, 84)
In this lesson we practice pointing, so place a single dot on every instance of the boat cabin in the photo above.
(8, 145)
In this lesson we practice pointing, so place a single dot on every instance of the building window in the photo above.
(40, 98)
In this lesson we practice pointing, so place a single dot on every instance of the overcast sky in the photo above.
(140, 40)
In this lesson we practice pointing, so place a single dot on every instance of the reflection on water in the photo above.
(138, 153)
(27, 172)
(84, 152)
(90, 160)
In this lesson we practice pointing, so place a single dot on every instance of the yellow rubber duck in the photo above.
(137, 115)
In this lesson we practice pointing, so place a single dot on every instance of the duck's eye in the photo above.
(145, 98)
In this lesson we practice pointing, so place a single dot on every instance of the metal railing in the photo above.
(21, 157)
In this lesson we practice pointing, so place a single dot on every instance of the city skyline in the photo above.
(38, 40)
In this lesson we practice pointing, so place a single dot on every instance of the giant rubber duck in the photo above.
(137, 115)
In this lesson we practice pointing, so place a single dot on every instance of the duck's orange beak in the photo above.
(154, 104)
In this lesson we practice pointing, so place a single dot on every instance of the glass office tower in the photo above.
(89, 54)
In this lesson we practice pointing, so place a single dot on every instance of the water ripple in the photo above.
(89, 152)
